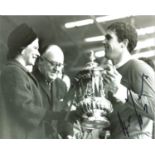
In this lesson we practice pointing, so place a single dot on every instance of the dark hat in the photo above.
(19, 38)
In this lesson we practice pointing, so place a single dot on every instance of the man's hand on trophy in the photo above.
(112, 78)
(106, 105)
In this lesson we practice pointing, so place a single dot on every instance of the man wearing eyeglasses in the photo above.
(51, 62)
(53, 89)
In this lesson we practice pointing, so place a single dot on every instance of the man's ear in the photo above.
(23, 51)
(125, 42)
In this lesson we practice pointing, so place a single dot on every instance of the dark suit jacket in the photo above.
(21, 108)
(53, 93)
(51, 98)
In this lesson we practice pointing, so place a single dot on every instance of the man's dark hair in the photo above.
(125, 31)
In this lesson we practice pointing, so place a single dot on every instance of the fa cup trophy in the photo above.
(88, 97)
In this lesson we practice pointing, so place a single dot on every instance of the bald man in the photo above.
(53, 89)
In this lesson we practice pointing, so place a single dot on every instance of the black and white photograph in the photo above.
(77, 76)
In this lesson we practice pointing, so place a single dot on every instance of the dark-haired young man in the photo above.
(131, 84)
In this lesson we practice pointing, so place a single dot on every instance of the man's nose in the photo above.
(37, 53)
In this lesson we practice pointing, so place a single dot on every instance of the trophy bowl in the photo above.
(95, 110)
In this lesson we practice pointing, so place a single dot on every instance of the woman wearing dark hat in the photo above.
(21, 111)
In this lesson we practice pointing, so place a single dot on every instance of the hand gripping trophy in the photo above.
(87, 95)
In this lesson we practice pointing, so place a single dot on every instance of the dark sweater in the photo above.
(134, 119)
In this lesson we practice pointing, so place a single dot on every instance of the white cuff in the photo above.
(121, 94)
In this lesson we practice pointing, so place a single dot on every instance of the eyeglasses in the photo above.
(53, 63)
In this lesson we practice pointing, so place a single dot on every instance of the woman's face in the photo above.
(30, 52)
